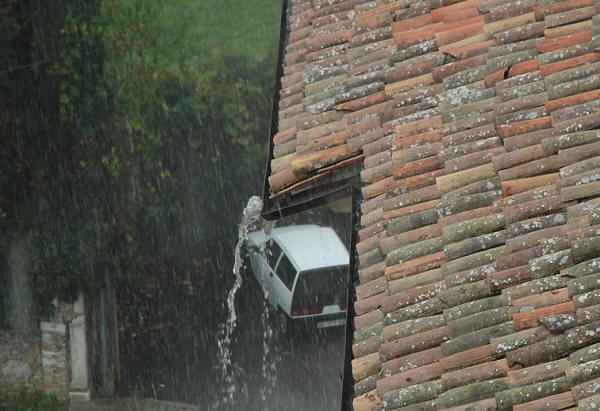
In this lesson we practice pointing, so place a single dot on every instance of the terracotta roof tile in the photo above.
(365, 320)
(411, 361)
(439, 14)
(372, 272)
(366, 401)
(410, 377)
(552, 402)
(423, 309)
(479, 136)
(364, 347)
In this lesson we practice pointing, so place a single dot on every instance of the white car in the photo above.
(304, 271)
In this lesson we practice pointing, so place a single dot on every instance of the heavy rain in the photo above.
(135, 272)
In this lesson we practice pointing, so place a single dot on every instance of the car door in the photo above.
(283, 282)
(273, 253)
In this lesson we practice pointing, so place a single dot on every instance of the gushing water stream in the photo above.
(250, 216)
(269, 362)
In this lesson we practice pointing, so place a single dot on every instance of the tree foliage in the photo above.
(130, 141)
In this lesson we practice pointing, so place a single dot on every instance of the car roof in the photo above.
(307, 246)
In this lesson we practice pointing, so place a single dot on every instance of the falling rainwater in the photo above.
(269, 362)
(250, 216)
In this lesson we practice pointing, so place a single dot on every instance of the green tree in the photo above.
(127, 134)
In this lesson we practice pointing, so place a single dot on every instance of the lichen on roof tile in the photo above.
(479, 241)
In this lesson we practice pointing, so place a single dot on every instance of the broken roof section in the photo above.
(477, 127)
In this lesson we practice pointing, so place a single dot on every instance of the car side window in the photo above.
(286, 272)
(273, 252)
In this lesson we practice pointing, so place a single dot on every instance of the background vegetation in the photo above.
(132, 132)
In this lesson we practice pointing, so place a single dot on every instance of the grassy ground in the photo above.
(131, 404)
(37, 401)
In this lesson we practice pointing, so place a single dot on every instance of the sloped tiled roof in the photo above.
(478, 127)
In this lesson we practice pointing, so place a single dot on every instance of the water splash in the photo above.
(250, 216)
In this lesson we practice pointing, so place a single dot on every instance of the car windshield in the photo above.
(321, 287)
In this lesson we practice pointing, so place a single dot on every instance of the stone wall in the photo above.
(20, 363)
(52, 360)
(55, 373)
